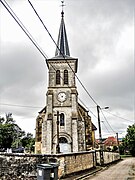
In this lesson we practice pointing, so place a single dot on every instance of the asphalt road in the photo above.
(123, 170)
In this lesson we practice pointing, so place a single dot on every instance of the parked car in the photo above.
(18, 150)
(2, 150)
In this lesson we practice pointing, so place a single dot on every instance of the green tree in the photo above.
(6, 131)
(10, 132)
(1, 120)
(6, 135)
(129, 140)
(28, 142)
(121, 149)
(11, 135)
(115, 148)
(9, 119)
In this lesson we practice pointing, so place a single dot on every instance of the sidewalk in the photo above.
(82, 174)
(122, 170)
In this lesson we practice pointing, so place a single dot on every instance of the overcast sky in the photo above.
(100, 34)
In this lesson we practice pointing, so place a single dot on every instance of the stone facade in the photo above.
(77, 129)
(68, 107)
(84, 126)
(63, 125)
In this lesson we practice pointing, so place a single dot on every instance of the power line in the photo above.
(112, 134)
(107, 121)
(105, 126)
(33, 41)
(62, 53)
(11, 12)
(43, 24)
(37, 46)
(17, 105)
(119, 116)
(41, 51)
(45, 56)
(29, 35)
(87, 108)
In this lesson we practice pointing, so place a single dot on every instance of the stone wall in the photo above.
(19, 166)
(24, 166)
(109, 157)
(75, 162)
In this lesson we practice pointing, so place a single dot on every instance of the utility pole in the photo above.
(100, 137)
(57, 146)
(117, 142)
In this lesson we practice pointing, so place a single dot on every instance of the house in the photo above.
(110, 142)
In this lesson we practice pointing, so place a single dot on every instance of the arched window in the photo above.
(65, 76)
(63, 140)
(58, 77)
(62, 119)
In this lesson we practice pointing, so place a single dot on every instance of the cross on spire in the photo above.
(62, 5)
(62, 43)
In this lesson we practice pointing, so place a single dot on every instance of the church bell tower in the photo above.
(59, 132)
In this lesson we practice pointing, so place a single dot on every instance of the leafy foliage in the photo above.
(7, 131)
(129, 140)
(6, 135)
(28, 141)
(122, 149)
(11, 135)
(115, 149)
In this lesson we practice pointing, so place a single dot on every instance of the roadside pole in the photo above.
(100, 137)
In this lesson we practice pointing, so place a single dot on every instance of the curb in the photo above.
(88, 174)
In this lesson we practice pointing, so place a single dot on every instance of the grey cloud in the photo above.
(22, 73)
(94, 28)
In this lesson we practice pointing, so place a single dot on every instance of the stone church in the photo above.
(63, 125)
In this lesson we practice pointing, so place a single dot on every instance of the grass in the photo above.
(125, 156)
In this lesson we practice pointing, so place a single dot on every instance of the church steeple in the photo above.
(62, 43)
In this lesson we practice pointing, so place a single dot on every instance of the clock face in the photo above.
(62, 97)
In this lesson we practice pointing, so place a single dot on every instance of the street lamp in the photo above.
(100, 134)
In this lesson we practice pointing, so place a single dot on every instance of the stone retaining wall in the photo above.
(19, 166)
(75, 162)
(109, 157)
(24, 166)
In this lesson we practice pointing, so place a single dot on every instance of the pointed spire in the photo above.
(62, 43)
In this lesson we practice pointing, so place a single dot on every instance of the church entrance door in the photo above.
(65, 147)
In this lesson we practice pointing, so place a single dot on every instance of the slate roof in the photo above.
(62, 43)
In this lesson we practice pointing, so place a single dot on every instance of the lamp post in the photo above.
(100, 135)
